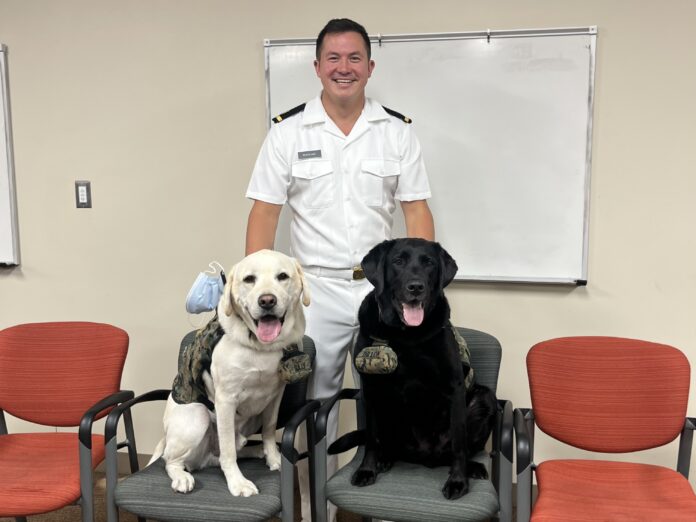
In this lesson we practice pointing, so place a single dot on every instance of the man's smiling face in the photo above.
(343, 68)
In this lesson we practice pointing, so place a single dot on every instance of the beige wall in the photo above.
(161, 105)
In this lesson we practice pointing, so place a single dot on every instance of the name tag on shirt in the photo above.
(307, 154)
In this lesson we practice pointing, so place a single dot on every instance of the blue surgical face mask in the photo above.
(206, 290)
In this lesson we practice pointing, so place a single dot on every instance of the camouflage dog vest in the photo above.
(380, 359)
(196, 357)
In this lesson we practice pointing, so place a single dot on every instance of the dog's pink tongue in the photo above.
(413, 314)
(268, 329)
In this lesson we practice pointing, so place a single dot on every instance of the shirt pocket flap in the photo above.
(381, 167)
(311, 169)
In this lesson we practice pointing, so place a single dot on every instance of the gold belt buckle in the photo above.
(358, 273)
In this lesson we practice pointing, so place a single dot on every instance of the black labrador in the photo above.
(422, 412)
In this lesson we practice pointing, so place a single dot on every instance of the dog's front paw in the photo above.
(363, 477)
(183, 482)
(455, 487)
(242, 488)
(273, 458)
(476, 470)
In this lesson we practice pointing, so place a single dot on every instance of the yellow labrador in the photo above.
(260, 314)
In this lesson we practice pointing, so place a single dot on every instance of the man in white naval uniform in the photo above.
(339, 162)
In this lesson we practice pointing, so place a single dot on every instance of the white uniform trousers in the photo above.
(332, 323)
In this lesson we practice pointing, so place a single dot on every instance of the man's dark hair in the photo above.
(343, 25)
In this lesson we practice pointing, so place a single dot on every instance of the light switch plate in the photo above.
(83, 194)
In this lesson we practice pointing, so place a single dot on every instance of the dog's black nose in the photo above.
(267, 301)
(415, 287)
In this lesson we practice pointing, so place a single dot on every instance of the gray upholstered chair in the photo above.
(410, 492)
(148, 494)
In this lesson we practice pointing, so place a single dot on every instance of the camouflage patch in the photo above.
(377, 359)
(295, 366)
(194, 360)
(465, 356)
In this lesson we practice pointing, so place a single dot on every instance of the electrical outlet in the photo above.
(83, 194)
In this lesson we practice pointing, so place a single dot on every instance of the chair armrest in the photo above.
(85, 430)
(686, 441)
(524, 439)
(323, 413)
(287, 444)
(505, 427)
(115, 415)
(503, 453)
(524, 436)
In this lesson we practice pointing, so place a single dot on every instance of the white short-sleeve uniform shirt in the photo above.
(341, 189)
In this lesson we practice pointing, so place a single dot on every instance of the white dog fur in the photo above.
(243, 382)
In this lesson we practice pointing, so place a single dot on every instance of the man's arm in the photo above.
(419, 219)
(261, 226)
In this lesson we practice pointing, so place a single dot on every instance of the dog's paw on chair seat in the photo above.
(295, 366)
(455, 487)
(363, 477)
(377, 359)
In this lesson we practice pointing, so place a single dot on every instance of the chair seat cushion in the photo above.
(589, 490)
(148, 493)
(41, 471)
(411, 492)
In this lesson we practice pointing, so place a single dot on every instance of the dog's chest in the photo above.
(422, 385)
(245, 376)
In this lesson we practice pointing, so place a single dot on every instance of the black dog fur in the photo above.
(422, 412)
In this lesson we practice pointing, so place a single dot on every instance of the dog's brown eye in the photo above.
(398, 261)
(249, 279)
(428, 261)
(282, 276)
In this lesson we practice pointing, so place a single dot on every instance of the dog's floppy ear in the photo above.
(448, 266)
(227, 299)
(373, 264)
(303, 282)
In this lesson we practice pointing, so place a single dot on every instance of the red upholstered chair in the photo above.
(608, 395)
(63, 374)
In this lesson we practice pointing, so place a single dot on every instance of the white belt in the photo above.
(350, 274)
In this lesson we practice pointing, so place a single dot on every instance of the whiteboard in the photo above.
(9, 241)
(505, 123)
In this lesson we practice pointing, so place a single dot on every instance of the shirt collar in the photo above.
(314, 111)
(373, 111)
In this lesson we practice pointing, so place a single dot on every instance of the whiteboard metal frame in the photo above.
(5, 99)
(488, 34)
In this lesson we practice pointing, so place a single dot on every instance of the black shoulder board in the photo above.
(291, 112)
(398, 115)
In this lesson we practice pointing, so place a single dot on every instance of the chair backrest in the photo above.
(608, 394)
(295, 394)
(51, 373)
(486, 354)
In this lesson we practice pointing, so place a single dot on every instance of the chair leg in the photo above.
(287, 489)
(86, 484)
(320, 481)
(310, 459)
(111, 479)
